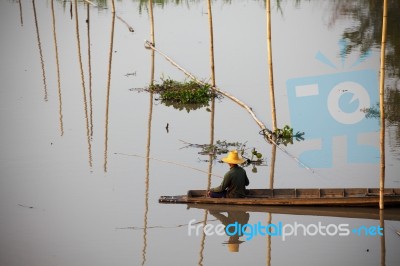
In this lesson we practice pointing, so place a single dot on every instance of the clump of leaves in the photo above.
(285, 135)
(372, 112)
(221, 147)
(253, 159)
(176, 92)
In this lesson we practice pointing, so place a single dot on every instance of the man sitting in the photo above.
(235, 180)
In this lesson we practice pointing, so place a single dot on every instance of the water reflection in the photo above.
(40, 51)
(90, 71)
(20, 13)
(149, 245)
(148, 142)
(110, 55)
(85, 102)
(239, 218)
(58, 70)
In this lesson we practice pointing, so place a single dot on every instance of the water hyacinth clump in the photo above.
(183, 92)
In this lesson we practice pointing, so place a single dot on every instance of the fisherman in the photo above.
(235, 180)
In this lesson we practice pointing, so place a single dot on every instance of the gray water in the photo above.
(75, 188)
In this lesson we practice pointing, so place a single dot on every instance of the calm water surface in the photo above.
(75, 188)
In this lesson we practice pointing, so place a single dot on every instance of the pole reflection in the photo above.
(20, 13)
(58, 70)
(90, 71)
(212, 121)
(83, 84)
(40, 51)
(108, 93)
(382, 237)
(148, 143)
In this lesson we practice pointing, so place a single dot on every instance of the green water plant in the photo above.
(181, 93)
(221, 147)
(285, 135)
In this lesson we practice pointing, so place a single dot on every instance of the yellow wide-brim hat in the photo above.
(233, 247)
(233, 158)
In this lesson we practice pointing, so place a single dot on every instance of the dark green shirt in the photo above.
(235, 182)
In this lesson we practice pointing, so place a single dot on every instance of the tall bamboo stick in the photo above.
(382, 107)
(270, 68)
(112, 6)
(212, 67)
(210, 25)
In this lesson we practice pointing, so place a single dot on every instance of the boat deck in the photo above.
(293, 196)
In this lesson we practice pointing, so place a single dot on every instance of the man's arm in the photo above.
(224, 184)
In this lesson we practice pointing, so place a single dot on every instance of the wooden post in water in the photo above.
(270, 68)
(211, 31)
(112, 6)
(210, 24)
(382, 107)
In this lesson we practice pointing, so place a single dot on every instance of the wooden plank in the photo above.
(296, 197)
(332, 193)
(308, 193)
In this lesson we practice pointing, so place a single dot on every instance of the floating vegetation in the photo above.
(372, 112)
(183, 95)
(284, 136)
(254, 158)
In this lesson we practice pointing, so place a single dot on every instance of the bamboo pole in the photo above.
(212, 67)
(58, 70)
(112, 6)
(270, 68)
(210, 25)
(382, 108)
(152, 40)
(272, 167)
